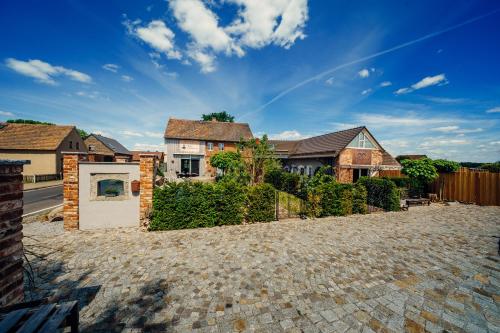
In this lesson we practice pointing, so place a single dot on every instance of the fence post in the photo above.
(71, 213)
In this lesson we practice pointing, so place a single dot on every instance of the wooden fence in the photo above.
(468, 186)
(389, 173)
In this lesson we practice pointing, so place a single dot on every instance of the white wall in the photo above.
(107, 214)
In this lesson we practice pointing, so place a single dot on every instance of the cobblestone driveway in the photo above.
(430, 269)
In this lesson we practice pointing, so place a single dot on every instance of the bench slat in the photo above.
(11, 319)
(36, 319)
(58, 317)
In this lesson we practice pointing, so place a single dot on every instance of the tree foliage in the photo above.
(219, 116)
(423, 170)
(28, 121)
(261, 159)
(445, 166)
(491, 167)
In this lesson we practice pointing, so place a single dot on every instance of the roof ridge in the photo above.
(207, 121)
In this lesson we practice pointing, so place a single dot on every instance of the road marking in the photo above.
(41, 188)
(41, 210)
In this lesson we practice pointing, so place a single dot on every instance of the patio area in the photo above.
(427, 269)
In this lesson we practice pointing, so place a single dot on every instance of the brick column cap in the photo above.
(74, 153)
(14, 162)
(147, 155)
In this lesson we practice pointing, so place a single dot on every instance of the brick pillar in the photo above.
(147, 174)
(11, 246)
(70, 189)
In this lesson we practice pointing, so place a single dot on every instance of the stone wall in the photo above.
(11, 246)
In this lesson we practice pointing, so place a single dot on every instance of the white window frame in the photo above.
(210, 146)
(362, 140)
(221, 146)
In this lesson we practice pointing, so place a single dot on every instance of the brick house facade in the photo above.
(351, 153)
(189, 144)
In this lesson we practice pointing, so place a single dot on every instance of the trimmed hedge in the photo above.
(200, 205)
(400, 181)
(335, 199)
(359, 199)
(260, 203)
(382, 193)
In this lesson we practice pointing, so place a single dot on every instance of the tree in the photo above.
(226, 160)
(28, 121)
(219, 116)
(83, 133)
(421, 173)
(445, 166)
(259, 158)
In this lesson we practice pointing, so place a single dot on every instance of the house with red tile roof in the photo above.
(351, 153)
(189, 144)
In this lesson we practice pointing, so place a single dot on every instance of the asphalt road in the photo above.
(35, 200)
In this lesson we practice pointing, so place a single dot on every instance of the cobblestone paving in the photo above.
(430, 269)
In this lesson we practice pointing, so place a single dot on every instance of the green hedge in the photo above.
(335, 199)
(382, 193)
(400, 181)
(359, 199)
(260, 203)
(283, 181)
(199, 205)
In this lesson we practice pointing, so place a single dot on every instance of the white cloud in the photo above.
(288, 135)
(153, 134)
(386, 84)
(329, 81)
(132, 133)
(111, 67)
(382, 120)
(366, 91)
(148, 147)
(260, 23)
(205, 60)
(446, 100)
(456, 129)
(494, 110)
(494, 143)
(443, 142)
(157, 35)
(255, 25)
(424, 83)
(89, 94)
(445, 129)
(44, 72)
(364, 73)
(6, 113)
(402, 91)
(343, 126)
(127, 78)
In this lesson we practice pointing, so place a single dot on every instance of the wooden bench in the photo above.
(39, 317)
(418, 202)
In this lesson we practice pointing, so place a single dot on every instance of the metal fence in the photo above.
(40, 178)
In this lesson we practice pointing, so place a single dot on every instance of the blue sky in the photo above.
(423, 76)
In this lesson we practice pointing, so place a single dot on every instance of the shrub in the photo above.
(260, 203)
(445, 166)
(197, 205)
(381, 193)
(335, 199)
(491, 167)
(359, 199)
(400, 181)
(275, 178)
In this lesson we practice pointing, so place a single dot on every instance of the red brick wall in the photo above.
(11, 246)
(70, 189)
(147, 174)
